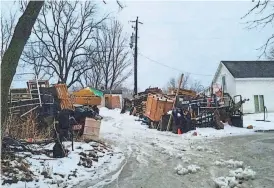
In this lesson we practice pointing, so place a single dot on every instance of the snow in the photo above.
(191, 169)
(66, 171)
(229, 163)
(243, 174)
(125, 127)
(214, 133)
(250, 119)
(226, 182)
(236, 177)
(133, 138)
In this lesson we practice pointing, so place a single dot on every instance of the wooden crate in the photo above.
(157, 106)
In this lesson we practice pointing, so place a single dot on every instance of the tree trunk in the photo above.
(12, 55)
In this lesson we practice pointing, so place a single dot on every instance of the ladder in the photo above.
(34, 89)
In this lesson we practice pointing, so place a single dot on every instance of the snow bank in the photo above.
(250, 119)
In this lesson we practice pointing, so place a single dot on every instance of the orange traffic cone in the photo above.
(179, 131)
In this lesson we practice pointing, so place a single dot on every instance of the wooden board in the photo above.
(64, 97)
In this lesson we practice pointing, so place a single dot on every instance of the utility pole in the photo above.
(135, 53)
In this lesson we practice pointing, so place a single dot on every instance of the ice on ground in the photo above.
(229, 163)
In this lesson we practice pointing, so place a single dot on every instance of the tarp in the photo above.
(88, 91)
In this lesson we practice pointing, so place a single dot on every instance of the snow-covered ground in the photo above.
(141, 143)
(88, 161)
(132, 140)
(122, 126)
(250, 119)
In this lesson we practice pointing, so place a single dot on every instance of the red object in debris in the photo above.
(77, 127)
(209, 102)
(179, 131)
(30, 140)
(195, 134)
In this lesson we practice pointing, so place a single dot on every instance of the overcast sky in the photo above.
(190, 36)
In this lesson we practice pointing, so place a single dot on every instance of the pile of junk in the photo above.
(73, 115)
(184, 110)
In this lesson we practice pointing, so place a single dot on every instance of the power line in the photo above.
(173, 67)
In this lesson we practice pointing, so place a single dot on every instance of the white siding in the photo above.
(250, 87)
(229, 79)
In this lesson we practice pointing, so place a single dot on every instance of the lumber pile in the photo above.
(140, 104)
(140, 99)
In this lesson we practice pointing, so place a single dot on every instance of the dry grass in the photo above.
(27, 127)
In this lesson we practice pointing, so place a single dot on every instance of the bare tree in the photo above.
(196, 86)
(12, 55)
(93, 77)
(271, 54)
(68, 41)
(187, 83)
(264, 8)
(174, 82)
(33, 55)
(118, 2)
(111, 58)
(7, 27)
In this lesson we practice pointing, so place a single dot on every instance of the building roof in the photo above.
(250, 69)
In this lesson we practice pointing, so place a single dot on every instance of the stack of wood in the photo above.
(140, 103)
(140, 99)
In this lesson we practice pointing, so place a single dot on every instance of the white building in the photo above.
(254, 80)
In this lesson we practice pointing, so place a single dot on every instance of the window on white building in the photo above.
(259, 103)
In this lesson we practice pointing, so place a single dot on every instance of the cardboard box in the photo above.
(92, 129)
